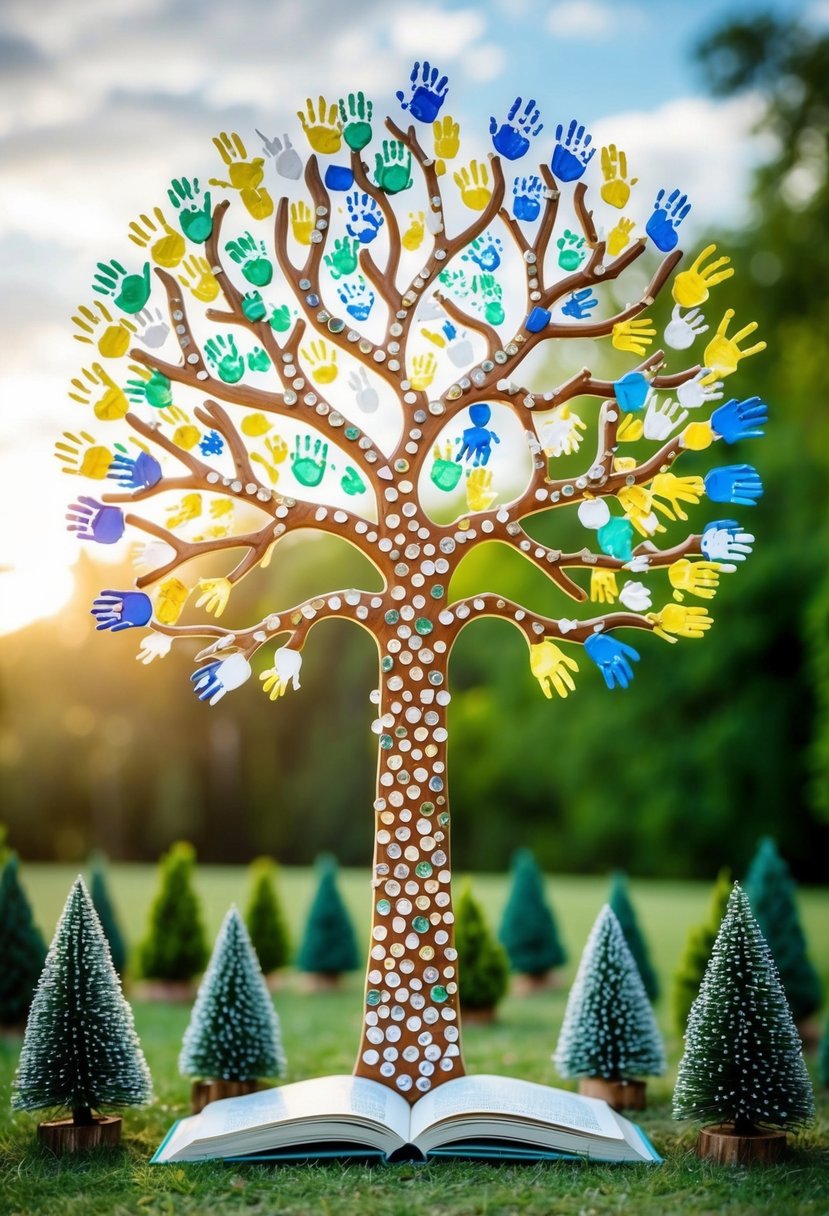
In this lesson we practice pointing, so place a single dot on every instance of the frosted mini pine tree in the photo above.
(609, 1037)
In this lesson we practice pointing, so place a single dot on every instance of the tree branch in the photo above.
(534, 626)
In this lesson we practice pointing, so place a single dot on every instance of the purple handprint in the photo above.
(428, 93)
(91, 520)
(572, 153)
(666, 218)
(117, 610)
(137, 473)
(512, 137)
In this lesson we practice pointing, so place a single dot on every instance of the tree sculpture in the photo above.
(391, 413)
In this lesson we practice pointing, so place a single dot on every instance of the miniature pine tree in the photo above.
(329, 946)
(619, 900)
(483, 968)
(234, 1031)
(823, 1057)
(80, 1050)
(175, 947)
(609, 1030)
(772, 894)
(99, 892)
(265, 920)
(22, 948)
(698, 951)
(5, 851)
(528, 931)
(742, 1063)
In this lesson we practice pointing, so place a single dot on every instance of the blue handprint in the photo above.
(512, 138)
(212, 444)
(616, 538)
(485, 251)
(740, 419)
(211, 682)
(117, 610)
(580, 304)
(572, 153)
(365, 219)
(91, 520)
(428, 93)
(527, 195)
(631, 391)
(134, 473)
(613, 659)
(666, 218)
(737, 483)
(724, 539)
(358, 298)
(477, 439)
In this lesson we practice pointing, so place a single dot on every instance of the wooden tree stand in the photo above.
(211, 1091)
(722, 1144)
(620, 1095)
(62, 1136)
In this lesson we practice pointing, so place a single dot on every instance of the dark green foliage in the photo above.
(823, 1057)
(529, 932)
(80, 1051)
(698, 949)
(329, 946)
(233, 1032)
(773, 897)
(106, 914)
(265, 919)
(483, 969)
(5, 851)
(742, 1063)
(619, 900)
(175, 947)
(609, 1030)
(22, 948)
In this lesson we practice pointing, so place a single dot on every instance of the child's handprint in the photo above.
(343, 257)
(427, 92)
(108, 407)
(490, 293)
(479, 493)
(251, 255)
(473, 183)
(351, 482)
(619, 236)
(224, 358)
(277, 450)
(355, 116)
(393, 167)
(253, 306)
(527, 195)
(572, 153)
(446, 133)
(424, 368)
(322, 360)
(367, 398)
(150, 388)
(302, 222)
(485, 251)
(129, 292)
(285, 157)
(321, 127)
(81, 455)
(193, 210)
(199, 279)
(114, 341)
(412, 238)
(185, 434)
(154, 329)
(258, 360)
(579, 304)
(280, 318)
(572, 251)
(166, 250)
(358, 298)
(308, 464)
(512, 137)
(245, 175)
(365, 219)
(445, 472)
(616, 188)
(666, 218)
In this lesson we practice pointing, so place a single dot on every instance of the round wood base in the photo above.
(619, 1095)
(722, 1144)
(63, 1136)
(211, 1091)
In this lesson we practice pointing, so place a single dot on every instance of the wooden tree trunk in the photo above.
(722, 1144)
(65, 1136)
(211, 1091)
(620, 1095)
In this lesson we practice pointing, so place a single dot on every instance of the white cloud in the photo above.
(818, 13)
(593, 20)
(416, 29)
(484, 62)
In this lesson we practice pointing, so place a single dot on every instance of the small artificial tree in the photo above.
(329, 947)
(175, 949)
(265, 919)
(80, 1050)
(103, 905)
(483, 967)
(529, 933)
(609, 1037)
(620, 902)
(772, 893)
(233, 1038)
(698, 949)
(22, 948)
(743, 1067)
(823, 1057)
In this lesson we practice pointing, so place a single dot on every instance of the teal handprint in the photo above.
(571, 250)
(222, 355)
(393, 167)
(129, 292)
(253, 306)
(352, 482)
(355, 114)
(309, 466)
(490, 293)
(456, 281)
(445, 473)
(280, 318)
(155, 392)
(193, 209)
(258, 360)
(251, 255)
(343, 257)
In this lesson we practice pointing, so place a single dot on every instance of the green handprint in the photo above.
(571, 250)
(352, 482)
(280, 318)
(222, 354)
(133, 290)
(253, 306)
(343, 257)
(193, 212)
(446, 471)
(251, 255)
(258, 360)
(355, 113)
(456, 281)
(393, 169)
(155, 392)
(491, 293)
(309, 468)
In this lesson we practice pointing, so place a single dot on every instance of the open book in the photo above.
(481, 1116)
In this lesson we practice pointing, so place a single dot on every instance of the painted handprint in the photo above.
(113, 341)
(358, 298)
(118, 610)
(634, 336)
(571, 250)
(490, 293)
(527, 195)
(166, 245)
(252, 256)
(199, 279)
(485, 251)
(139, 472)
(215, 593)
(579, 304)
(365, 219)
(424, 369)
(308, 461)
(572, 153)
(445, 473)
(447, 140)
(224, 358)
(185, 434)
(351, 482)
(153, 329)
(91, 520)
(722, 354)
(214, 680)
(253, 306)
(613, 659)
(667, 216)
(355, 115)
(412, 237)
(479, 492)
(560, 434)
(277, 454)
(692, 287)
(110, 405)
(427, 92)
(280, 318)
(619, 236)
(258, 360)
(552, 667)
(738, 420)
(342, 259)
(321, 358)
(129, 292)
(245, 175)
(367, 398)
(683, 330)
(170, 600)
(149, 388)
(393, 167)
(615, 188)
(511, 138)
(473, 182)
(476, 442)
(81, 455)
(321, 126)
(734, 483)
(285, 157)
(302, 222)
(194, 214)
(190, 507)
(211, 444)
(456, 281)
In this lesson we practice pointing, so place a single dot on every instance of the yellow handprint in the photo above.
(82, 455)
(722, 354)
(167, 250)
(322, 127)
(221, 508)
(479, 493)
(215, 594)
(633, 336)
(616, 188)
(172, 596)
(424, 368)
(619, 236)
(186, 435)
(473, 183)
(412, 238)
(637, 504)
(697, 436)
(680, 621)
(676, 490)
(111, 405)
(245, 176)
(214, 532)
(322, 360)
(691, 287)
(631, 428)
(603, 588)
(255, 425)
(697, 578)
(433, 336)
(199, 279)
(302, 222)
(277, 452)
(447, 136)
(115, 339)
(624, 464)
(189, 508)
(549, 664)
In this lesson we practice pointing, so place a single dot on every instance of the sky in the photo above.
(102, 104)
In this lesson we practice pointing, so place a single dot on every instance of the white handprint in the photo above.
(285, 156)
(693, 393)
(151, 554)
(153, 329)
(681, 331)
(367, 397)
(460, 351)
(635, 596)
(153, 646)
(662, 420)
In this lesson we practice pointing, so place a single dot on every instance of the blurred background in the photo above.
(715, 743)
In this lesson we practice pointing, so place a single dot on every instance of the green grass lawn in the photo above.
(321, 1033)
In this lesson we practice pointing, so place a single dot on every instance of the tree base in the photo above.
(809, 1030)
(722, 1144)
(63, 1136)
(478, 1017)
(212, 1091)
(320, 981)
(525, 984)
(619, 1095)
(174, 992)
